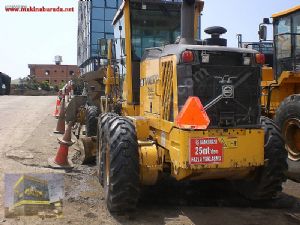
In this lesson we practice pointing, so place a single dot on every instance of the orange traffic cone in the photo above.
(60, 126)
(56, 112)
(60, 161)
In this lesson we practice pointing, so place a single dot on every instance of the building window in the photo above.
(55, 81)
(71, 73)
(55, 71)
(62, 81)
(47, 72)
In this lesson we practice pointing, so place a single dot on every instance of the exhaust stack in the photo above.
(187, 22)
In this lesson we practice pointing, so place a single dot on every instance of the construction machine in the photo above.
(5, 81)
(189, 109)
(281, 82)
(83, 111)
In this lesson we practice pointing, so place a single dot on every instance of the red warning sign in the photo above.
(205, 151)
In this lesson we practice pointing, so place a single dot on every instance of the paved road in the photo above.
(26, 131)
(19, 118)
(20, 115)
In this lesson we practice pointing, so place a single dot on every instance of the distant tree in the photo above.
(32, 83)
(45, 86)
(61, 85)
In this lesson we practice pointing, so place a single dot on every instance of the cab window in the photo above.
(283, 38)
(296, 31)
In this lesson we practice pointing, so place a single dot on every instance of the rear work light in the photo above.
(247, 61)
(187, 56)
(260, 58)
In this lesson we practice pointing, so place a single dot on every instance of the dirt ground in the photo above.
(27, 141)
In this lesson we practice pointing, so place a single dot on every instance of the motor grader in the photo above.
(281, 82)
(181, 107)
(83, 111)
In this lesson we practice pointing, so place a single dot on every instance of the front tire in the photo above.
(121, 165)
(267, 181)
(100, 156)
(92, 113)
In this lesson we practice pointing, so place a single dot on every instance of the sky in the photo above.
(35, 38)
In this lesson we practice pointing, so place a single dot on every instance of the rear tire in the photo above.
(266, 181)
(92, 113)
(121, 164)
(287, 118)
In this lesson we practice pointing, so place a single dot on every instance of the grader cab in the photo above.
(182, 107)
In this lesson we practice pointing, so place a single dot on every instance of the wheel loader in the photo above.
(179, 107)
(281, 82)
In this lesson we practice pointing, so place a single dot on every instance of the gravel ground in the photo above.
(27, 141)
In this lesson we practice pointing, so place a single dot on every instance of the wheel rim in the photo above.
(291, 132)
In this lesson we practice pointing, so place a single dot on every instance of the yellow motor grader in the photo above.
(187, 108)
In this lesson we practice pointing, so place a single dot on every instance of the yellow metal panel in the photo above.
(267, 74)
(150, 88)
(287, 84)
(286, 12)
(127, 88)
(150, 164)
(142, 127)
(247, 152)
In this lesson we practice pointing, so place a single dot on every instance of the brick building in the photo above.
(55, 74)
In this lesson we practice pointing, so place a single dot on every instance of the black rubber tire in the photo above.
(287, 110)
(102, 126)
(122, 179)
(266, 181)
(92, 114)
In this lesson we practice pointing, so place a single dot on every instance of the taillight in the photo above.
(187, 56)
(260, 58)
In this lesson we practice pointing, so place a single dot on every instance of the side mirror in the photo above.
(267, 21)
(263, 30)
(102, 45)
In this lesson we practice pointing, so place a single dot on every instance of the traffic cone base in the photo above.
(53, 164)
(58, 132)
(61, 158)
